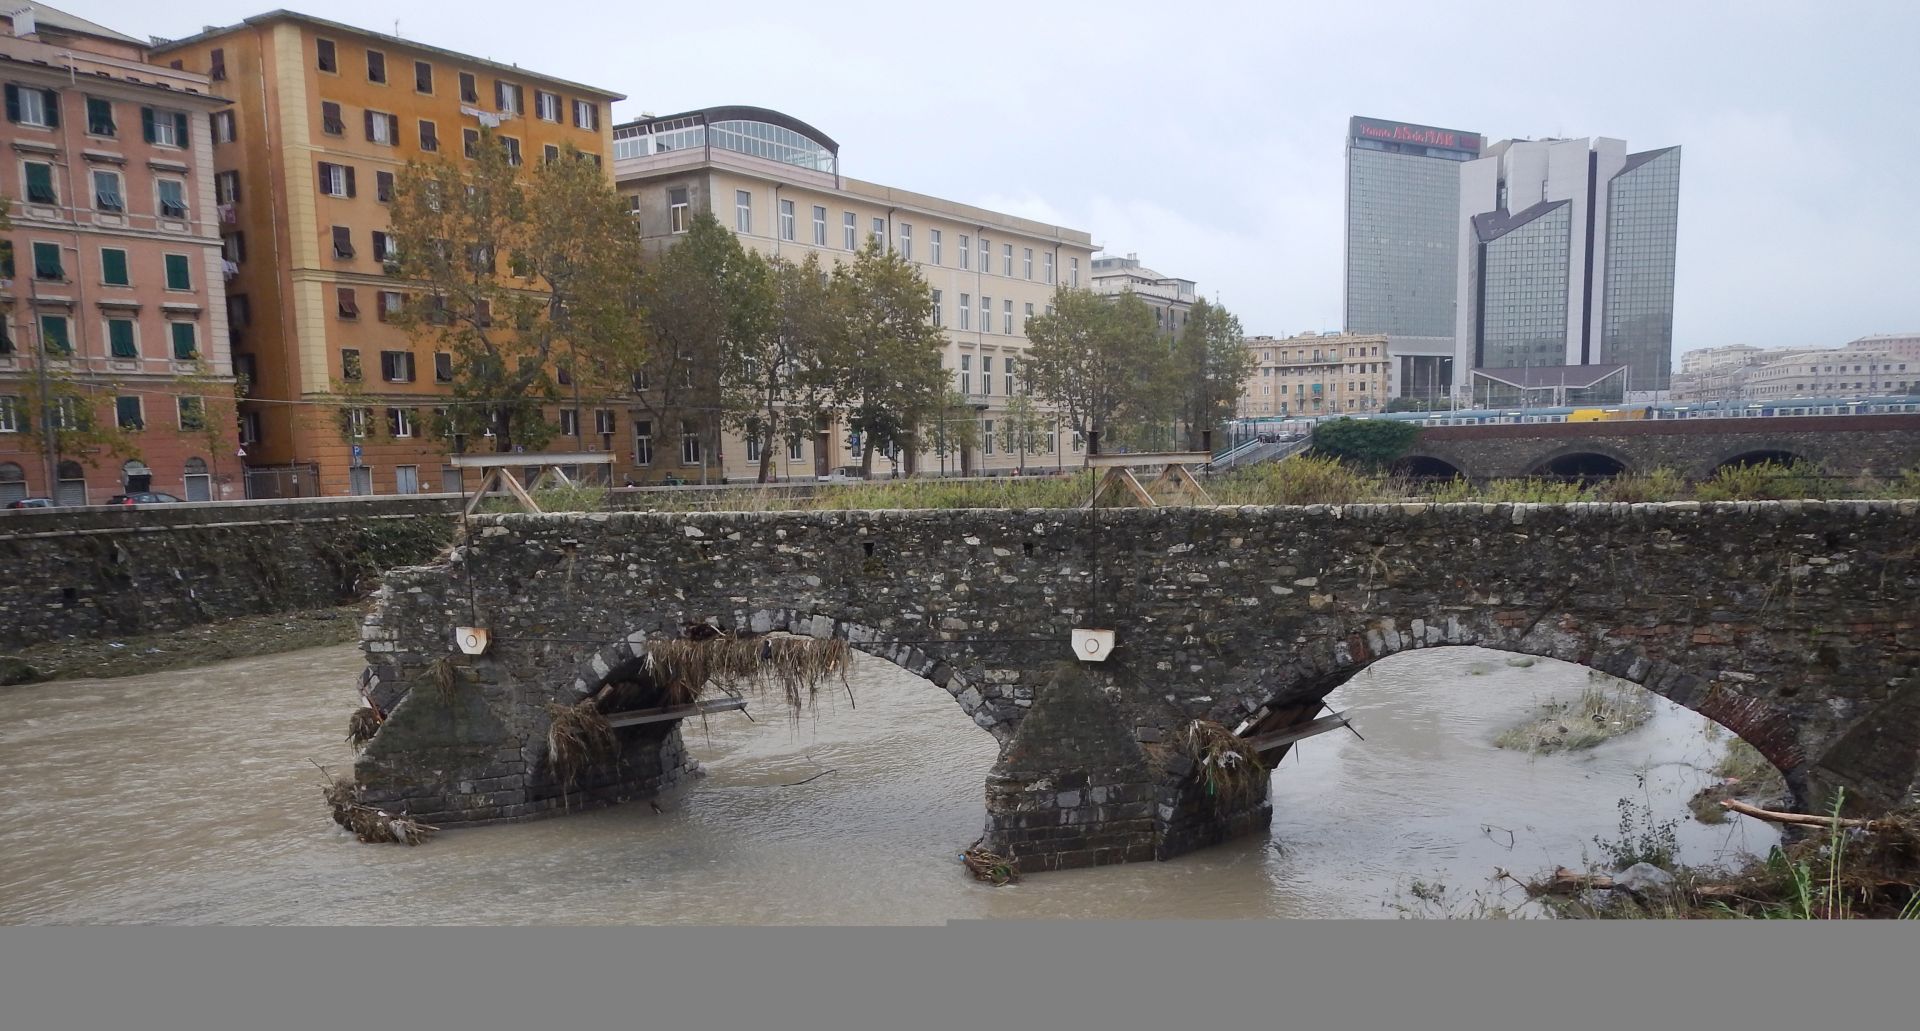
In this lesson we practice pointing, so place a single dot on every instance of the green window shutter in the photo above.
(185, 347)
(40, 183)
(178, 277)
(53, 107)
(113, 267)
(100, 117)
(120, 337)
(146, 124)
(126, 411)
(180, 129)
(53, 331)
(13, 103)
(46, 262)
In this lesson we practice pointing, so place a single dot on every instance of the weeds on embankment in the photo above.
(1601, 713)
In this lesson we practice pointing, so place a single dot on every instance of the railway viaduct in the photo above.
(1794, 624)
(1695, 448)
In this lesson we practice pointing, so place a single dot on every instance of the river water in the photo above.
(188, 797)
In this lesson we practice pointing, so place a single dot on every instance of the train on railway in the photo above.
(1784, 408)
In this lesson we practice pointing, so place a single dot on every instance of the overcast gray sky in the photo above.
(1207, 136)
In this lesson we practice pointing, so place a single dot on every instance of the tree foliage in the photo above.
(521, 272)
(1211, 364)
(708, 305)
(1368, 443)
(1102, 362)
(777, 381)
(884, 352)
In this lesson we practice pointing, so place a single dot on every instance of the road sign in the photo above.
(356, 454)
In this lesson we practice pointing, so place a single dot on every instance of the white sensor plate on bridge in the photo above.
(472, 639)
(1092, 645)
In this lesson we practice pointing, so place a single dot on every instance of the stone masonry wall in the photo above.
(115, 571)
(1795, 623)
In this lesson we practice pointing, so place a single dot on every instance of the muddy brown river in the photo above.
(188, 797)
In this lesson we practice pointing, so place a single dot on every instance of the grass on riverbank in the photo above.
(1601, 713)
(245, 637)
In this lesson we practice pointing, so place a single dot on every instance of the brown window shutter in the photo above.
(349, 180)
(368, 115)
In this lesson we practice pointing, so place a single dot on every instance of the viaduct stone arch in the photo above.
(1794, 624)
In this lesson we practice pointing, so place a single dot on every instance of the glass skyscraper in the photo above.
(1403, 210)
(1636, 315)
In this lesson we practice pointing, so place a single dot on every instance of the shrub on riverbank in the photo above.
(1601, 713)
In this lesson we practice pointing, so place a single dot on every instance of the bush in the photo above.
(1302, 480)
(1764, 481)
(1366, 443)
(1535, 492)
(1660, 484)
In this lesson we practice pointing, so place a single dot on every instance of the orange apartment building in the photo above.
(326, 115)
(112, 307)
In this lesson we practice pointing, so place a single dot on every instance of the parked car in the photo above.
(145, 497)
(31, 503)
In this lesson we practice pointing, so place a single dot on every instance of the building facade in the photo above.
(1568, 253)
(776, 182)
(1316, 374)
(1170, 297)
(324, 117)
(1402, 244)
(112, 304)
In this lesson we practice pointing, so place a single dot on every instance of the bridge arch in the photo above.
(1757, 455)
(1587, 460)
(1428, 466)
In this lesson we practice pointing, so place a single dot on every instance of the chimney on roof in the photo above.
(23, 23)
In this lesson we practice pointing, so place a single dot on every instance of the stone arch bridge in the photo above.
(1794, 624)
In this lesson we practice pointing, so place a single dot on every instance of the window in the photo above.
(28, 106)
(239, 312)
(173, 197)
(513, 149)
(965, 300)
(786, 220)
(846, 226)
(443, 367)
(986, 374)
(508, 97)
(384, 249)
(906, 241)
(40, 183)
(383, 186)
(753, 442)
(1026, 318)
(10, 423)
(1006, 320)
(569, 422)
(689, 443)
(127, 414)
(349, 305)
(350, 364)
(642, 442)
(100, 117)
(429, 135)
(549, 154)
(743, 211)
(423, 77)
(186, 345)
(796, 442)
(376, 66)
(470, 142)
(249, 427)
(986, 436)
(164, 127)
(106, 192)
(54, 337)
(819, 226)
(933, 246)
(1006, 260)
(1046, 266)
(936, 307)
(586, 115)
(113, 267)
(396, 366)
(400, 422)
(226, 187)
(325, 56)
(986, 313)
(469, 88)
(1073, 271)
(677, 209)
(331, 121)
(1009, 377)
(46, 262)
(382, 128)
(986, 257)
(120, 339)
(878, 234)
(406, 479)
(603, 420)
(391, 303)
(336, 180)
(546, 106)
(342, 242)
(223, 127)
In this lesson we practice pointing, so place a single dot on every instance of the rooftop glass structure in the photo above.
(753, 131)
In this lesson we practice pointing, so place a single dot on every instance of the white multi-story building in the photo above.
(776, 182)
(1170, 297)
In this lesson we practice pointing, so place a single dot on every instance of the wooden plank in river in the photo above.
(636, 717)
(1265, 743)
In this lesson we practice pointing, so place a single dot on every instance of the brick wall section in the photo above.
(1803, 618)
(118, 571)
(1882, 444)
